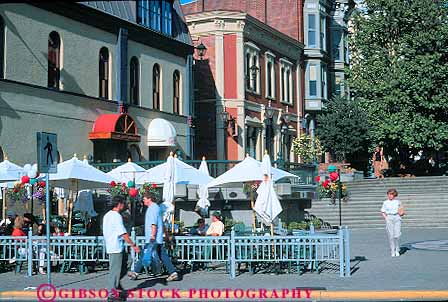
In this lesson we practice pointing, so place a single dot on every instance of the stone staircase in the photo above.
(425, 200)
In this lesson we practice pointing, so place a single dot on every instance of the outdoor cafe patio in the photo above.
(242, 248)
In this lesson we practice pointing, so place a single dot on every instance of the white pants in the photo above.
(393, 229)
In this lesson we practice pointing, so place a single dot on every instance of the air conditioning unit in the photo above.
(180, 190)
(233, 194)
(193, 192)
(283, 189)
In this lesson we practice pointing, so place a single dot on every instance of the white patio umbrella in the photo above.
(76, 175)
(203, 201)
(267, 205)
(8, 172)
(248, 170)
(126, 172)
(185, 174)
(73, 173)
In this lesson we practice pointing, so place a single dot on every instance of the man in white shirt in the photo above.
(115, 235)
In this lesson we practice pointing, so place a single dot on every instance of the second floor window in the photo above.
(252, 68)
(54, 60)
(323, 36)
(286, 81)
(311, 31)
(134, 81)
(176, 92)
(156, 14)
(156, 87)
(270, 77)
(104, 73)
(2, 48)
(312, 81)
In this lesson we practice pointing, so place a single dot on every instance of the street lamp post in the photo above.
(283, 132)
(333, 169)
(269, 112)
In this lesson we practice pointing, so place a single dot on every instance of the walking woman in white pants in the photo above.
(391, 214)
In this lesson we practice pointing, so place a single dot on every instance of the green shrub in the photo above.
(298, 225)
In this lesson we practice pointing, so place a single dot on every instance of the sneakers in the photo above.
(41, 271)
(397, 254)
(132, 275)
(172, 277)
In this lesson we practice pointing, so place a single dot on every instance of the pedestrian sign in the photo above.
(47, 150)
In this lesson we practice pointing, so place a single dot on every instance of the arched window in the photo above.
(269, 78)
(288, 86)
(104, 73)
(54, 60)
(176, 92)
(156, 87)
(2, 48)
(134, 81)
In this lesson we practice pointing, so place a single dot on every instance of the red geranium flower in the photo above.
(317, 178)
(325, 183)
(154, 185)
(334, 176)
(113, 183)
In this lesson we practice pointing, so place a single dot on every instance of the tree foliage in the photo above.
(343, 128)
(399, 72)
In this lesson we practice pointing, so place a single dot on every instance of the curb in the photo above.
(318, 295)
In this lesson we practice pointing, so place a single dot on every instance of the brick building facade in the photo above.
(264, 54)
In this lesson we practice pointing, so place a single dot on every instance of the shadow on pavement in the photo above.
(356, 261)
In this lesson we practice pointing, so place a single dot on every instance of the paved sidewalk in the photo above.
(372, 269)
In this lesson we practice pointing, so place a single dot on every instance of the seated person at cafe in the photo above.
(217, 227)
(200, 228)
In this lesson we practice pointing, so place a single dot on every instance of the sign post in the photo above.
(47, 163)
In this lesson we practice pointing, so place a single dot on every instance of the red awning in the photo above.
(118, 126)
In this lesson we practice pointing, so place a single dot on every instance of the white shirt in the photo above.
(390, 207)
(6, 222)
(113, 228)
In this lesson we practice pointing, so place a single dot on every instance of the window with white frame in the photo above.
(311, 30)
(346, 49)
(336, 41)
(312, 80)
(323, 30)
(286, 81)
(323, 77)
(270, 75)
(252, 67)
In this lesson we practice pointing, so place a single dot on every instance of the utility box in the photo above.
(283, 189)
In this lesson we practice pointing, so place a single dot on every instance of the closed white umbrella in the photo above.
(203, 201)
(267, 205)
(168, 190)
(126, 172)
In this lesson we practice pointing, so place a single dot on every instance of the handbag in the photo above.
(401, 211)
